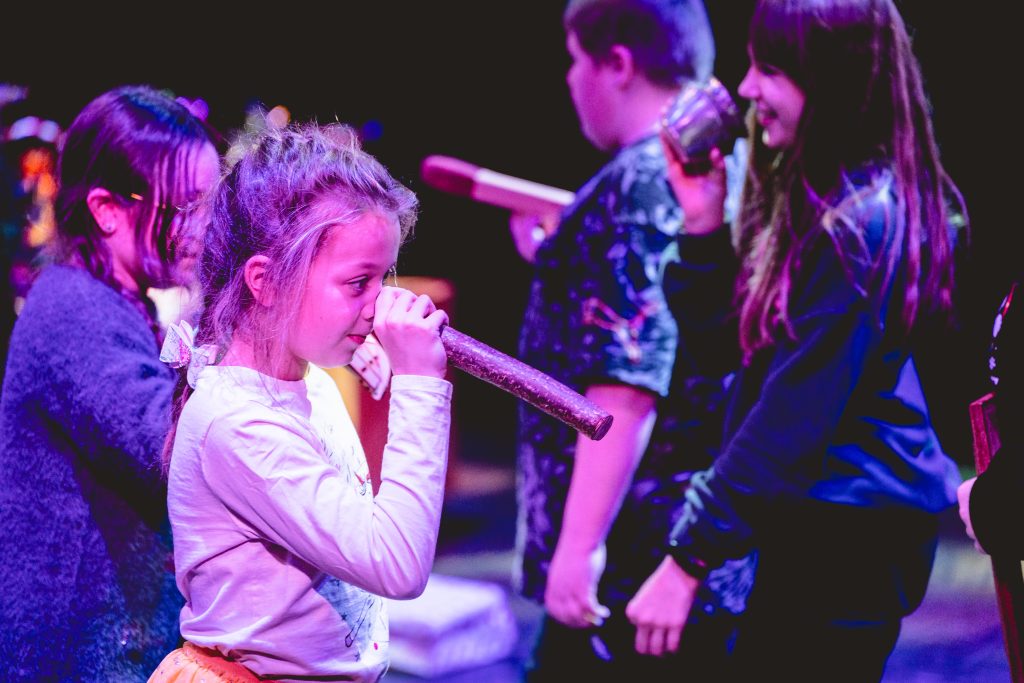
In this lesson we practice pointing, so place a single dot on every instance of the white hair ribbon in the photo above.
(179, 351)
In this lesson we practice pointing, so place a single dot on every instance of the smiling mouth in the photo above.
(765, 117)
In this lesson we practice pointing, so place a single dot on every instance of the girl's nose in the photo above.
(371, 300)
(368, 309)
(748, 86)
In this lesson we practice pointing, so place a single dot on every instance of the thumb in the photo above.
(596, 612)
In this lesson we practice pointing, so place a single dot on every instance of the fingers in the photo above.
(965, 515)
(643, 636)
(385, 302)
(597, 613)
(437, 320)
(676, 166)
(657, 641)
(395, 300)
(672, 636)
(570, 613)
(576, 611)
(421, 306)
(717, 158)
(963, 494)
(660, 608)
(408, 327)
(528, 231)
(669, 147)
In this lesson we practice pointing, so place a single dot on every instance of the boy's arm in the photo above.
(601, 476)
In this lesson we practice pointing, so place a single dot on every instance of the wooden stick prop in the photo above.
(525, 382)
(475, 358)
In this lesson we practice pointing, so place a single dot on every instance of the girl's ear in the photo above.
(107, 211)
(256, 279)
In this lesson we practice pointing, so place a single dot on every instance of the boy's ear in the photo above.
(256, 279)
(620, 62)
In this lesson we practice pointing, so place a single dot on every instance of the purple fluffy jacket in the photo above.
(86, 567)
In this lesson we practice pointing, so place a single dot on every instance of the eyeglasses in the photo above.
(160, 207)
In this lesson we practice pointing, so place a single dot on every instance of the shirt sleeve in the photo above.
(627, 333)
(778, 449)
(110, 393)
(270, 472)
(700, 289)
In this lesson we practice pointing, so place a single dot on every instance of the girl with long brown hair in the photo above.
(830, 467)
(283, 553)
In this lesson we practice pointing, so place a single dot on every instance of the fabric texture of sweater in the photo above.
(86, 567)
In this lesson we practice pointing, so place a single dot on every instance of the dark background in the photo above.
(484, 81)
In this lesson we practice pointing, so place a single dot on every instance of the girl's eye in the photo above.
(361, 284)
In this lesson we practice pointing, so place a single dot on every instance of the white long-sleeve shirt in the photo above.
(282, 552)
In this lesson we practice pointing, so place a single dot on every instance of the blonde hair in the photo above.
(280, 200)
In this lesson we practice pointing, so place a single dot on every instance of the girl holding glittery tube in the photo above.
(282, 551)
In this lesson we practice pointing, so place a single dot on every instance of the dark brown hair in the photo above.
(140, 145)
(865, 105)
(670, 40)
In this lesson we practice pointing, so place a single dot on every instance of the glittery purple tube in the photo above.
(525, 382)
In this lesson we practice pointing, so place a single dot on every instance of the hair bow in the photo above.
(180, 351)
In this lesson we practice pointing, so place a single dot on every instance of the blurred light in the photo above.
(11, 92)
(371, 131)
(278, 117)
(33, 127)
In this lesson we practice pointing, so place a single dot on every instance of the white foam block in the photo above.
(456, 624)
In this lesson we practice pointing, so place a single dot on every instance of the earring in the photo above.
(108, 229)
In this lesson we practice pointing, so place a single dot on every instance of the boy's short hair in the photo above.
(670, 40)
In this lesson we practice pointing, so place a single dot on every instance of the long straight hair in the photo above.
(865, 104)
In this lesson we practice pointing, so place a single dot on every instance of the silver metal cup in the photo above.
(702, 117)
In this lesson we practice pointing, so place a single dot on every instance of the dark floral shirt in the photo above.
(597, 315)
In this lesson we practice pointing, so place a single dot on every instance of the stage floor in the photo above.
(954, 636)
